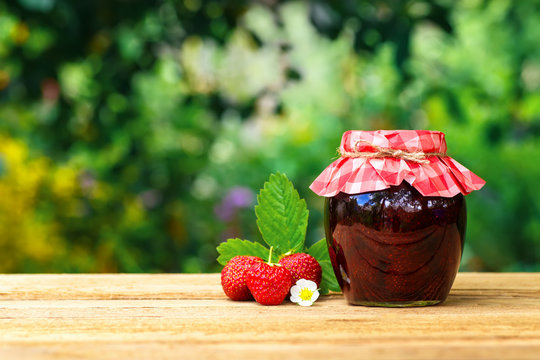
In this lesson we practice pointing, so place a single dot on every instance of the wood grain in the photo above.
(487, 316)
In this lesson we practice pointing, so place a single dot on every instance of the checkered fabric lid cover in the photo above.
(441, 176)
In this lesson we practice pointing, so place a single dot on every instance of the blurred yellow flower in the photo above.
(20, 33)
(27, 236)
(64, 181)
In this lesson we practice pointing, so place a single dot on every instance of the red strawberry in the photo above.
(303, 266)
(269, 283)
(233, 277)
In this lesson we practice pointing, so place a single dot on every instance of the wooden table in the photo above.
(486, 316)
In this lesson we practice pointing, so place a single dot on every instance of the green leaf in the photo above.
(281, 215)
(319, 251)
(235, 247)
(329, 281)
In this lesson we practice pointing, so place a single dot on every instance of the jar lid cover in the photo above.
(376, 160)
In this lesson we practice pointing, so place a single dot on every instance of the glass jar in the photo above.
(395, 247)
(395, 216)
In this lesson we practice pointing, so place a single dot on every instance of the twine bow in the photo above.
(417, 156)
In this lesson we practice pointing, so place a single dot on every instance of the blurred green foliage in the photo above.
(134, 135)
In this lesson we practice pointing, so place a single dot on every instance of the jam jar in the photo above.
(395, 217)
(401, 248)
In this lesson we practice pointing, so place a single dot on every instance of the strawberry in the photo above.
(269, 283)
(233, 277)
(303, 266)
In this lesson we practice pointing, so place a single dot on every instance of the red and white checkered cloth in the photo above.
(442, 176)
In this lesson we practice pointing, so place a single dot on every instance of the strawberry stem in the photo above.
(270, 255)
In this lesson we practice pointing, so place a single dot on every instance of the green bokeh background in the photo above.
(134, 135)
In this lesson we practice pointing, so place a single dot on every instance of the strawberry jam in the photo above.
(395, 247)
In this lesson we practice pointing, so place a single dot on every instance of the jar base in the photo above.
(397, 304)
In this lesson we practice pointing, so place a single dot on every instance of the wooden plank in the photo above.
(487, 316)
(207, 286)
(110, 286)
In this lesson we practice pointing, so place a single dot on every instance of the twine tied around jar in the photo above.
(382, 152)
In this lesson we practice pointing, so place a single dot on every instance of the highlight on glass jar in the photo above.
(395, 216)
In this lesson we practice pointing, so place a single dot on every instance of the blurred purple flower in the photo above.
(87, 181)
(150, 198)
(236, 198)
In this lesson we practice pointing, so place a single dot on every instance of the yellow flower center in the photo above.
(306, 294)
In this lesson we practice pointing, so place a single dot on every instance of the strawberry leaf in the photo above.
(329, 281)
(234, 247)
(319, 251)
(281, 215)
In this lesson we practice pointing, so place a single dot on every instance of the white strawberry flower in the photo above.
(305, 292)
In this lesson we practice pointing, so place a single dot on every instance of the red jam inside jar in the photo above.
(395, 247)
(395, 216)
